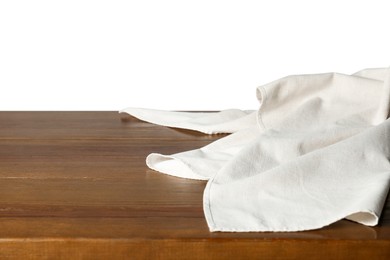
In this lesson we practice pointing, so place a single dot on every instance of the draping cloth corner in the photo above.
(316, 151)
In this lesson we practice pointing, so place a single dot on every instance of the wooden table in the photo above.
(75, 185)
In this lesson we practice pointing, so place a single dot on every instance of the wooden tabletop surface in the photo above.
(74, 185)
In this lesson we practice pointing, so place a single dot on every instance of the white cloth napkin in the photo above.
(316, 151)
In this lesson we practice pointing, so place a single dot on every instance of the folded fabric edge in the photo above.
(171, 166)
(233, 120)
(366, 217)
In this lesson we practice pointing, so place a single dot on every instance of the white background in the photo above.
(179, 55)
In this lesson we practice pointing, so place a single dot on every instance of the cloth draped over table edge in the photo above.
(316, 151)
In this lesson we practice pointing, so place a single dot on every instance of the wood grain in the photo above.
(74, 185)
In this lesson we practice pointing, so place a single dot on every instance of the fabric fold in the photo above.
(292, 192)
(316, 151)
(226, 121)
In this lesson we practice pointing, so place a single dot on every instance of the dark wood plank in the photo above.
(75, 185)
(86, 125)
(93, 148)
(139, 248)
(178, 226)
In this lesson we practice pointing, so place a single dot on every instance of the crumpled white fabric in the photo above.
(316, 151)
